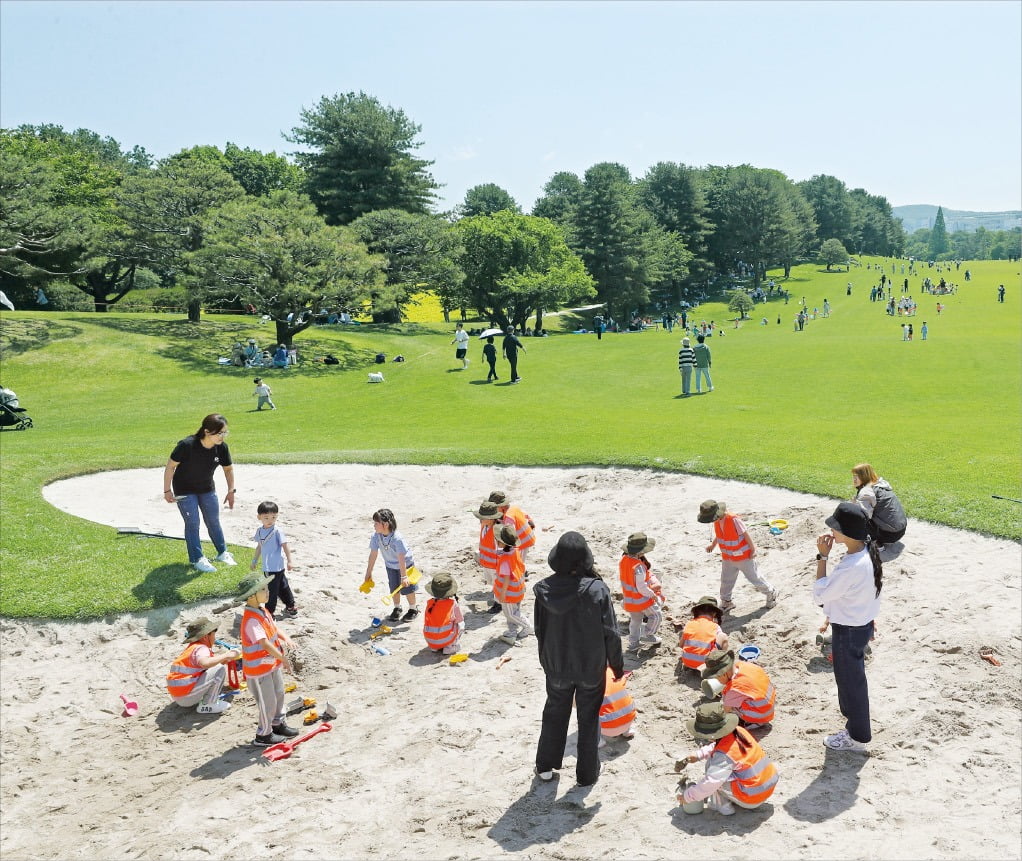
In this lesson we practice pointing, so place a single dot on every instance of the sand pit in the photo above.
(429, 760)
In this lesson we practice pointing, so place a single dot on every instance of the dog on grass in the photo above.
(375, 377)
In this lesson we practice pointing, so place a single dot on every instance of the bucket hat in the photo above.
(443, 585)
(717, 662)
(711, 510)
(637, 544)
(252, 584)
(488, 511)
(849, 519)
(708, 603)
(199, 628)
(507, 535)
(570, 554)
(711, 722)
(498, 497)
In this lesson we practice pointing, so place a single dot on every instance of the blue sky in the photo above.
(918, 101)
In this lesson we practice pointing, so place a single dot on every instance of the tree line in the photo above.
(349, 222)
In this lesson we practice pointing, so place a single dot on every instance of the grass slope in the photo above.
(940, 419)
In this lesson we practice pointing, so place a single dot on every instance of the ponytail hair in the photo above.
(211, 424)
(878, 567)
(385, 515)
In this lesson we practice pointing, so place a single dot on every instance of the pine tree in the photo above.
(938, 236)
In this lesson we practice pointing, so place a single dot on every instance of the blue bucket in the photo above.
(748, 653)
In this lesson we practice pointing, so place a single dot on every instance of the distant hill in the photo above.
(923, 214)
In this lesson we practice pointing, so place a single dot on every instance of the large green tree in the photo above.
(277, 254)
(360, 157)
(673, 195)
(559, 202)
(421, 253)
(518, 264)
(487, 199)
(833, 253)
(938, 236)
(833, 210)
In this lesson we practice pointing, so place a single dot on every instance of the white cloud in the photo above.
(464, 153)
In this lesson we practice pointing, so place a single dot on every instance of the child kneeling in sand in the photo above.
(443, 624)
(737, 770)
(617, 714)
(197, 675)
(703, 634)
(746, 689)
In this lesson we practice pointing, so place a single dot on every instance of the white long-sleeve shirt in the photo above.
(848, 593)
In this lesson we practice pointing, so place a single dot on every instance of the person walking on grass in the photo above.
(703, 362)
(686, 364)
(461, 342)
(264, 393)
(490, 355)
(510, 348)
(188, 481)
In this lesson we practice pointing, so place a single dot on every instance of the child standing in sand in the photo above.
(489, 517)
(263, 654)
(639, 589)
(443, 622)
(273, 549)
(397, 558)
(737, 553)
(509, 585)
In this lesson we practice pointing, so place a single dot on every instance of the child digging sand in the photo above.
(703, 634)
(443, 623)
(639, 588)
(737, 553)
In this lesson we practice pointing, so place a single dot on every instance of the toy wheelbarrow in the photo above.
(413, 574)
(285, 748)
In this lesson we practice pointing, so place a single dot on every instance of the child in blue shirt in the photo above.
(272, 546)
(397, 557)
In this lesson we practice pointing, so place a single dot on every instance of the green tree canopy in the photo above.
(561, 197)
(673, 195)
(360, 158)
(740, 302)
(833, 253)
(421, 253)
(518, 264)
(938, 236)
(277, 254)
(832, 208)
(487, 199)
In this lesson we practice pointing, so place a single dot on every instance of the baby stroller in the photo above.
(12, 414)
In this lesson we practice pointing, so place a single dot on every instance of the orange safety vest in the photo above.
(698, 639)
(254, 658)
(184, 673)
(752, 681)
(633, 600)
(438, 625)
(733, 547)
(523, 526)
(487, 547)
(618, 708)
(755, 775)
(509, 584)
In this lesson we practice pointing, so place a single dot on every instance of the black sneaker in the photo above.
(268, 740)
(290, 612)
(411, 614)
(282, 729)
(494, 609)
(395, 614)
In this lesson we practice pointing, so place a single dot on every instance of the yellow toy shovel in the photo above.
(413, 576)
(366, 587)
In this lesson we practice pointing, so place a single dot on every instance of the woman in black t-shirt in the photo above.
(188, 481)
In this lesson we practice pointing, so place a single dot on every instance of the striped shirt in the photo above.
(686, 356)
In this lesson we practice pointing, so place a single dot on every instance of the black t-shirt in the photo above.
(197, 465)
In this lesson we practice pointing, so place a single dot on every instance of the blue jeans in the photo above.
(190, 507)
(848, 647)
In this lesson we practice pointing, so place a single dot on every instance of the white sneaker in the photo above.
(227, 558)
(721, 805)
(650, 640)
(510, 639)
(603, 742)
(843, 741)
(771, 599)
(205, 566)
(545, 775)
(216, 708)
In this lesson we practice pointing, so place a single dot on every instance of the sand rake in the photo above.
(413, 574)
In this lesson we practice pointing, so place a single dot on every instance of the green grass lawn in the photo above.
(940, 419)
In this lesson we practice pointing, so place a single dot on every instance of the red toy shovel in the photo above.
(286, 748)
(130, 707)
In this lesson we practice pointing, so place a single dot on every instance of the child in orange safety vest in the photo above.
(737, 553)
(525, 526)
(197, 675)
(703, 634)
(737, 770)
(746, 688)
(639, 589)
(617, 714)
(443, 624)
(489, 517)
(262, 655)
(509, 585)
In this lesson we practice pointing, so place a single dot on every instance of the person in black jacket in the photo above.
(578, 638)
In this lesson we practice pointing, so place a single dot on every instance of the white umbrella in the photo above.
(489, 333)
(5, 301)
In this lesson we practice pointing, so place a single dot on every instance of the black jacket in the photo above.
(576, 629)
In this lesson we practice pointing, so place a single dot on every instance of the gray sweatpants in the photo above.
(268, 692)
(729, 576)
(206, 689)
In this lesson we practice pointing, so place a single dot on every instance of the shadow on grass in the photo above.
(162, 586)
(197, 347)
(21, 336)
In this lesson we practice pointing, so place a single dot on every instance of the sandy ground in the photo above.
(433, 760)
